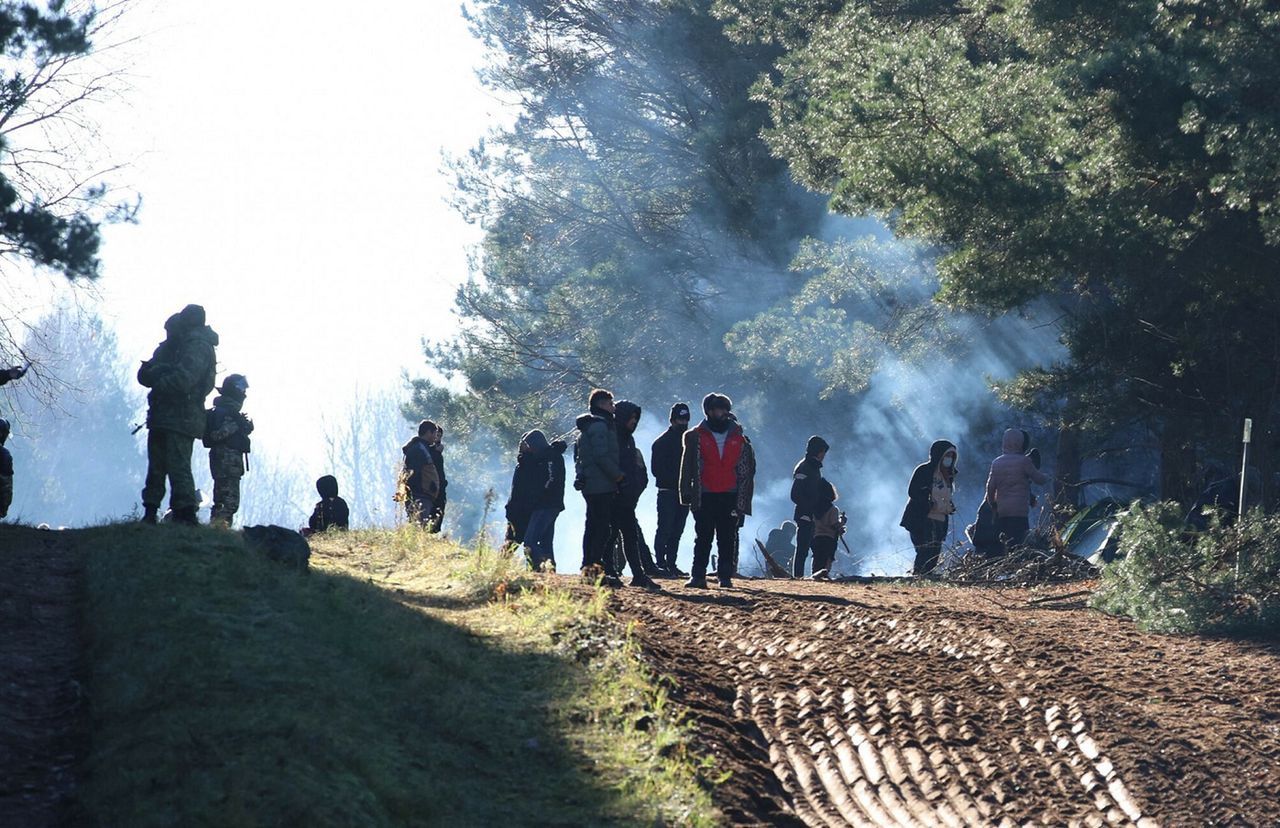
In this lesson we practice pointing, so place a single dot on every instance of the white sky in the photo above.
(289, 157)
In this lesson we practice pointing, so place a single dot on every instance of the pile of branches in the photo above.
(1021, 567)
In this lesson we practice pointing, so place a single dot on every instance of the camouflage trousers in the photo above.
(169, 456)
(227, 467)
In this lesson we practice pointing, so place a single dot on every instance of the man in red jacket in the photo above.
(717, 479)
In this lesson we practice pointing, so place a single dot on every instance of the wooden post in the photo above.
(1244, 480)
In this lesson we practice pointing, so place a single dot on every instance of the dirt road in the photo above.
(850, 705)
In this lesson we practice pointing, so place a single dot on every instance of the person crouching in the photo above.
(331, 511)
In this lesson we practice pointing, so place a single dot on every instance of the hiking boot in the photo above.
(186, 515)
(645, 582)
(150, 515)
(726, 583)
(696, 582)
(676, 573)
(611, 581)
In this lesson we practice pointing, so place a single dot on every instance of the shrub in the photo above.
(1173, 578)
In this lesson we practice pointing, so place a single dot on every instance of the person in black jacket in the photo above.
(930, 505)
(807, 493)
(537, 497)
(635, 479)
(331, 511)
(435, 447)
(672, 516)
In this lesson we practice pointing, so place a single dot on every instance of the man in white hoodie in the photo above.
(1009, 487)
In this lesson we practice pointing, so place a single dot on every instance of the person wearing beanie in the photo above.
(597, 475)
(807, 494)
(717, 480)
(664, 460)
(6, 471)
(419, 477)
(180, 374)
(930, 504)
(331, 511)
(226, 436)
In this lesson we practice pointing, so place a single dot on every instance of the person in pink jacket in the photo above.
(1009, 487)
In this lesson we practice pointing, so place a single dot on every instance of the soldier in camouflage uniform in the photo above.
(6, 470)
(227, 438)
(6, 459)
(180, 374)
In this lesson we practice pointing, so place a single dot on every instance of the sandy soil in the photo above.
(843, 704)
(42, 709)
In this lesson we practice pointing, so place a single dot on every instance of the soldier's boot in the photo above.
(186, 515)
(150, 514)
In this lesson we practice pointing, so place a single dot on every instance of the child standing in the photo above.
(826, 531)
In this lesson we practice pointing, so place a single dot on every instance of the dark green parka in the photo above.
(180, 375)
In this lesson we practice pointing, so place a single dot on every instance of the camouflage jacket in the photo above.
(180, 375)
(6, 481)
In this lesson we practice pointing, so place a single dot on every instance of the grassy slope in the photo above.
(384, 688)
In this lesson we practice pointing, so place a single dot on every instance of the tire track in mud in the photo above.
(867, 717)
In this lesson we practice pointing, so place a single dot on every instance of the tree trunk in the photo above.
(1067, 468)
(1177, 462)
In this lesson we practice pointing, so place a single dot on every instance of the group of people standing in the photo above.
(1002, 522)
(180, 374)
(707, 470)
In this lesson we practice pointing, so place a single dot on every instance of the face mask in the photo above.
(948, 462)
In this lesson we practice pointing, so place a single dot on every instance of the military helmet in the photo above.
(235, 384)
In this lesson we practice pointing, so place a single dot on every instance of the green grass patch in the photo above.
(404, 681)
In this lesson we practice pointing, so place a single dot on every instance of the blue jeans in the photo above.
(671, 520)
(540, 536)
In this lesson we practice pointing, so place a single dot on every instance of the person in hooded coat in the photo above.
(1009, 487)
(597, 475)
(807, 493)
(180, 374)
(717, 481)
(226, 435)
(435, 445)
(331, 511)
(537, 497)
(420, 479)
(635, 479)
(780, 544)
(930, 504)
(664, 460)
